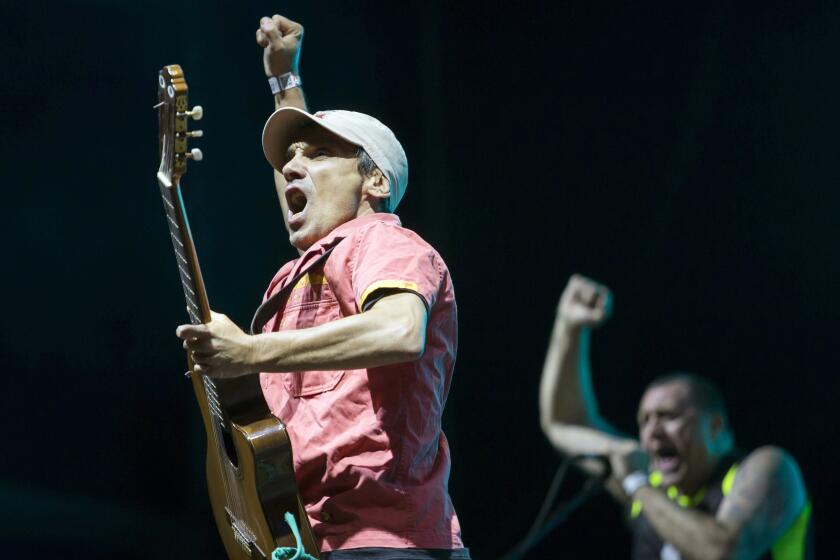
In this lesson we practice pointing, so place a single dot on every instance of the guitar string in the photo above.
(224, 465)
(220, 425)
(231, 488)
(218, 421)
(177, 236)
(234, 502)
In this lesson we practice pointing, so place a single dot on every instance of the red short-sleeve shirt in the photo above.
(371, 459)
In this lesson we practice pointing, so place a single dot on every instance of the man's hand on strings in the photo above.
(218, 348)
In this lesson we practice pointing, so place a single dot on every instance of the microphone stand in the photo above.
(546, 521)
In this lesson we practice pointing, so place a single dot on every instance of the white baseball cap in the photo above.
(357, 128)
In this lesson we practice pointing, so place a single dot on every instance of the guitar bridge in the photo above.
(244, 537)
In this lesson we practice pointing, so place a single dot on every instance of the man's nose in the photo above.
(652, 428)
(293, 169)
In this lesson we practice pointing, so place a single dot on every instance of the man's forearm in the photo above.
(568, 411)
(292, 97)
(696, 535)
(562, 398)
(382, 336)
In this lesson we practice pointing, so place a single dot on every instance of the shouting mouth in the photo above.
(297, 203)
(666, 461)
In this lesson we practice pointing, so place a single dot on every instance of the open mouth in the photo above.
(666, 460)
(296, 200)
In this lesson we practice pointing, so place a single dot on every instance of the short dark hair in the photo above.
(704, 394)
(366, 167)
(365, 164)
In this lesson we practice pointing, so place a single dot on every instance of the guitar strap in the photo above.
(271, 306)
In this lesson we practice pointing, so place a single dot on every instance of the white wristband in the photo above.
(633, 481)
(284, 82)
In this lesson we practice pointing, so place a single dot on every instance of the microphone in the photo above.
(604, 461)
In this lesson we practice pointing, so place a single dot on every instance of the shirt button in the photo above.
(325, 516)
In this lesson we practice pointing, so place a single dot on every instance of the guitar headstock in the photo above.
(173, 113)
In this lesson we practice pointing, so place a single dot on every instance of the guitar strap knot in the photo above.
(288, 552)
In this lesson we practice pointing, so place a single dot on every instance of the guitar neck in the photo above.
(182, 242)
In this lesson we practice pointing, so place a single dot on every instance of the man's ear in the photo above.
(715, 425)
(376, 186)
(719, 432)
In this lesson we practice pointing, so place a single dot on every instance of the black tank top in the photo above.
(795, 544)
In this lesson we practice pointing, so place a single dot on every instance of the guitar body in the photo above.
(250, 473)
(257, 463)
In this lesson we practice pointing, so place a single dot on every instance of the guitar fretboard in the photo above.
(179, 232)
(181, 240)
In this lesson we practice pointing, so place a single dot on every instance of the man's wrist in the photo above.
(268, 351)
(286, 81)
(569, 327)
(633, 481)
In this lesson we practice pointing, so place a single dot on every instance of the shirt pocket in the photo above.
(310, 383)
(315, 306)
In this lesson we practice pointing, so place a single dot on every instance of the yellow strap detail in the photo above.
(673, 493)
(310, 279)
(655, 479)
(386, 284)
(635, 509)
(729, 479)
(791, 545)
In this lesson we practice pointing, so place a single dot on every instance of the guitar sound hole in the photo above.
(230, 449)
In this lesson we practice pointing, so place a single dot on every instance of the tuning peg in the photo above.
(197, 113)
(195, 134)
(195, 154)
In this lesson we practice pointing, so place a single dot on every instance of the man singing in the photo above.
(359, 358)
(690, 493)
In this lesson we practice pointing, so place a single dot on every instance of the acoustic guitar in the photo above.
(250, 476)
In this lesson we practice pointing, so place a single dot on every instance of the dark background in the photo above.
(684, 156)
